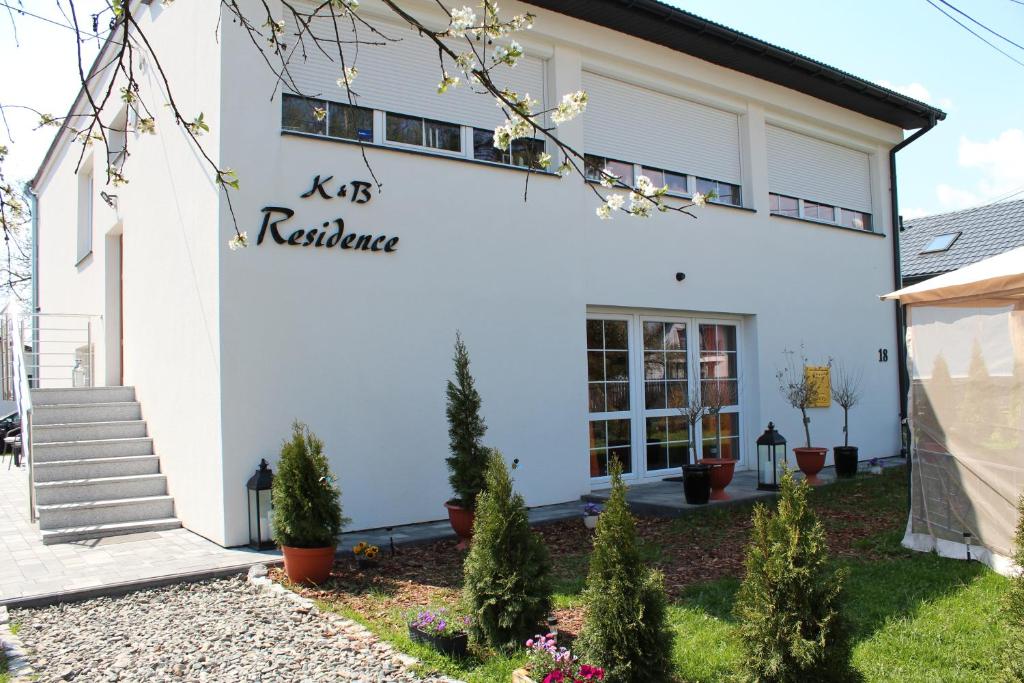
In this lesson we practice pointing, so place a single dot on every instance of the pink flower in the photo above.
(529, 643)
(555, 676)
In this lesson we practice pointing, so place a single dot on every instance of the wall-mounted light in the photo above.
(680, 277)
(110, 199)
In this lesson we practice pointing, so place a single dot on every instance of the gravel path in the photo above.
(218, 631)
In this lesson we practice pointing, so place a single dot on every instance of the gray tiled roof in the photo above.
(986, 231)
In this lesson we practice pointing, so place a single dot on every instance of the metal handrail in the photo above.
(23, 398)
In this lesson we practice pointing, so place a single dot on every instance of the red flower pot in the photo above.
(722, 470)
(461, 520)
(810, 461)
(308, 565)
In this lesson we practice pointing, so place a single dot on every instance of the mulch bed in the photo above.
(691, 550)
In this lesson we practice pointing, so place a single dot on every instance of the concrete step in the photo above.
(74, 413)
(103, 488)
(96, 468)
(97, 512)
(88, 431)
(81, 533)
(95, 448)
(42, 397)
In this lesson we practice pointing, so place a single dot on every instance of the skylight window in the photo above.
(940, 243)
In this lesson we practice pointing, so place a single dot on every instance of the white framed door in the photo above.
(634, 411)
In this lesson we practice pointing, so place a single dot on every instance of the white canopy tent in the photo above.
(965, 342)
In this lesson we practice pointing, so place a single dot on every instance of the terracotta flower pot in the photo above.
(462, 523)
(810, 461)
(308, 565)
(722, 470)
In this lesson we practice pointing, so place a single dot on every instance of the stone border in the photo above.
(18, 666)
(257, 577)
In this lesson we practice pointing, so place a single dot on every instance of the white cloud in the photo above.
(999, 162)
(918, 92)
(915, 212)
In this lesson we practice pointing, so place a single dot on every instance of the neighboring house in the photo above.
(933, 245)
(585, 335)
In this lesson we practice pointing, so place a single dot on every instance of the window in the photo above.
(608, 382)
(719, 378)
(664, 364)
(523, 152)
(350, 123)
(677, 183)
(413, 130)
(299, 114)
(940, 243)
(820, 212)
(855, 219)
(782, 205)
(85, 190)
(594, 165)
(725, 193)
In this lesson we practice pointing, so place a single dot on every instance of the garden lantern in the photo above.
(259, 486)
(771, 459)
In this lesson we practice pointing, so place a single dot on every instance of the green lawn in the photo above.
(914, 617)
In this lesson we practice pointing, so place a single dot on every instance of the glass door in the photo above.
(609, 388)
(666, 373)
(720, 386)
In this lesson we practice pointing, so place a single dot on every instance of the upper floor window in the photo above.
(725, 193)
(413, 130)
(595, 167)
(677, 182)
(85, 207)
(523, 152)
(332, 119)
(783, 205)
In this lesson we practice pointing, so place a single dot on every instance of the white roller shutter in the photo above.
(402, 76)
(634, 124)
(809, 168)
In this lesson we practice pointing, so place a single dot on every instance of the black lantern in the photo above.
(771, 459)
(259, 486)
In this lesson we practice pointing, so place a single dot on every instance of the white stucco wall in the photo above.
(167, 214)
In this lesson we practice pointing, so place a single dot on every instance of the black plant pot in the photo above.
(697, 484)
(451, 645)
(846, 461)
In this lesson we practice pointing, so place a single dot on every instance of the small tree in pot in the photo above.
(846, 393)
(307, 508)
(467, 465)
(800, 388)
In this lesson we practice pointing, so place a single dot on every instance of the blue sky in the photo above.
(976, 155)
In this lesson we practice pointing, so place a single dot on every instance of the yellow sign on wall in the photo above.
(819, 378)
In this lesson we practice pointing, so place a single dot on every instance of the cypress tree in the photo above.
(467, 464)
(307, 505)
(507, 582)
(625, 630)
(788, 605)
(1013, 609)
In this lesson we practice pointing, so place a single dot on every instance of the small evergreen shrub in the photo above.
(788, 606)
(507, 582)
(1013, 655)
(307, 503)
(625, 630)
(467, 464)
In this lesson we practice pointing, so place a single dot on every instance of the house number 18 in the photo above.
(883, 355)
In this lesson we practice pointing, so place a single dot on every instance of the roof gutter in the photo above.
(897, 275)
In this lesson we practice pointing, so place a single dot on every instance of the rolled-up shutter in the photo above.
(630, 123)
(402, 73)
(809, 168)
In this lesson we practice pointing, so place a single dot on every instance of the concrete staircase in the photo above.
(95, 471)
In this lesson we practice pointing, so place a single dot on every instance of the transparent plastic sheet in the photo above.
(967, 424)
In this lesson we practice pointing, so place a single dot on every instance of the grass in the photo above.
(913, 616)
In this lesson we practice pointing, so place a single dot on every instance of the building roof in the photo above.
(685, 32)
(983, 232)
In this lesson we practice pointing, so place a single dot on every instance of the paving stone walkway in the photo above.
(30, 570)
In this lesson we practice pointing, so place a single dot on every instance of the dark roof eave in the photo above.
(685, 32)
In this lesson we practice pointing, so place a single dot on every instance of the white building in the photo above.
(581, 331)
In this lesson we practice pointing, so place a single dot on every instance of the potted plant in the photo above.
(591, 511)
(846, 393)
(716, 395)
(800, 388)
(442, 630)
(365, 555)
(307, 508)
(467, 465)
(550, 663)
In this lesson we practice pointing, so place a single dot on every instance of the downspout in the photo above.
(35, 247)
(897, 274)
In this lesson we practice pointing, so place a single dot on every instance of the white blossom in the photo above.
(699, 199)
(239, 241)
(462, 19)
(544, 160)
(604, 212)
(572, 105)
(447, 82)
(615, 201)
(466, 61)
(508, 55)
(608, 179)
(347, 76)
